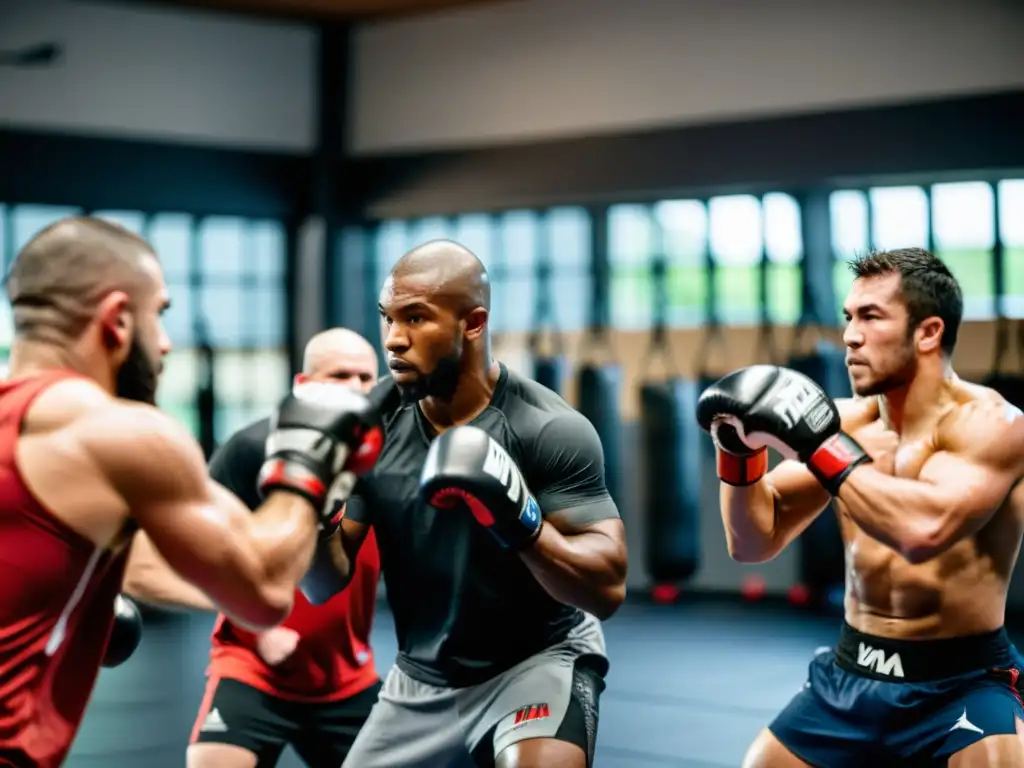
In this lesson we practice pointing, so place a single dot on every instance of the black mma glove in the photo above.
(466, 466)
(322, 438)
(766, 405)
(126, 633)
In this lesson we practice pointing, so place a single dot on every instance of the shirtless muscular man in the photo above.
(925, 470)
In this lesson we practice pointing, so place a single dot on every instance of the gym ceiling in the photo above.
(322, 10)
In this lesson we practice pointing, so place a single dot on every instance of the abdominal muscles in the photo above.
(960, 592)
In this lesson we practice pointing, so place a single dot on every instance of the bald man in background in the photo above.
(311, 681)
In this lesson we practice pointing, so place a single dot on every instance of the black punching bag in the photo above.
(822, 556)
(1009, 383)
(672, 478)
(206, 391)
(549, 371)
(598, 399)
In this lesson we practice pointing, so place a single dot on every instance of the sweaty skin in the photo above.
(960, 586)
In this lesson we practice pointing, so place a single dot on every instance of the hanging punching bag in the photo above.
(548, 366)
(1004, 378)
(549, 370)
(206, 391)
(670, 451)
(599, 384)
(672, 478)
(599, 389)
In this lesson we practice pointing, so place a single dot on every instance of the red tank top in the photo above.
(57, 593)
(333, 659)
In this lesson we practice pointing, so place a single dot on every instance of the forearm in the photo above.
(906, 515)
(150, 579)
(283, 533)
(163, 588)
(748, 515)
(586, 570)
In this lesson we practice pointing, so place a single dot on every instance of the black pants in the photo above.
(321, 734)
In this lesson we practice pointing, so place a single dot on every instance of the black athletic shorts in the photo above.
(246, 717)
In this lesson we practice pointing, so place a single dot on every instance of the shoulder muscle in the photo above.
(989, 432)
(63, 403)
(145, 454)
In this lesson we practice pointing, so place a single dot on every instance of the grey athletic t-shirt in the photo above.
(465, 609)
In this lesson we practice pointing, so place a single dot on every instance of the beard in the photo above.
(442, 382)
(137, 377)
(896, 375)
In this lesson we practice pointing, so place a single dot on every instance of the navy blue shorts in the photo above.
(876, 702)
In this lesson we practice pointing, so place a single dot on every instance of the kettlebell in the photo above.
(126, 633)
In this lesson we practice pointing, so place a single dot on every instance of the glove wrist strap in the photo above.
(835, 459)
(742, 470)
(280, 474)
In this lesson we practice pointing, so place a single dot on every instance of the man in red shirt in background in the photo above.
(310, 682)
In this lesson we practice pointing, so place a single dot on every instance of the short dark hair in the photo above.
(928, 287)
(61, 274)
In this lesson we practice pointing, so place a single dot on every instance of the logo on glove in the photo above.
(500, 466)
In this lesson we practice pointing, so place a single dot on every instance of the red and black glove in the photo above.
(466, 467)
(323, 437)
(767, 405)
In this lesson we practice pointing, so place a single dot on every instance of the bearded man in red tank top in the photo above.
(86, 460)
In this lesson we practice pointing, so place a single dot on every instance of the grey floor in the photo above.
(690, 685)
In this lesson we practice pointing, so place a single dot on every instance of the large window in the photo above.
(630, 248)
(743, 234)
(171, 236)
(1011, 232)
(956, 219)
(24, 222)
(735, 237)
(681, 227)
(225, 277)
(391, 243)
(784, 249)
(572, 276)
(240, 309)
(963, 232)
(850, 238)
(514, 297)
(743, 230)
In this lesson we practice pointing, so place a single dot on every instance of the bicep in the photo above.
(566, 474)
(159, 470)
(567, 526)
(964, 487)
(979, 462)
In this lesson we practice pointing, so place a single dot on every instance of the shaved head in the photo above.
(458, 278)
(335, 343)
(340, 355)
(91, 293)
(435, 306)
(59, 278)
